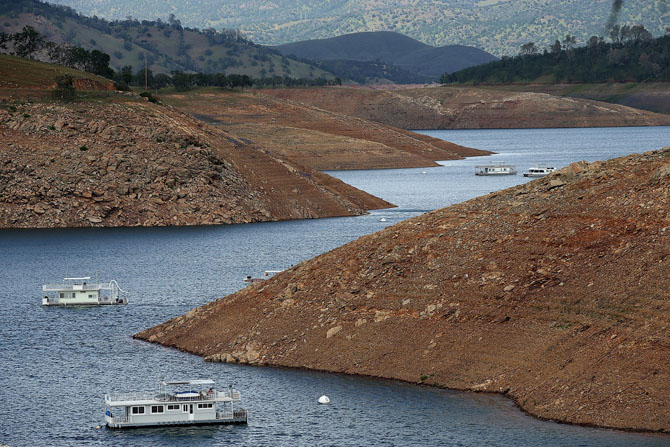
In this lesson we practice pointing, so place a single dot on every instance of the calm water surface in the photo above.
(58, 363)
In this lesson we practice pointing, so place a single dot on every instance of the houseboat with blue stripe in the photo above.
(182, 402)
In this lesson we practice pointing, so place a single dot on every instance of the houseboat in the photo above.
(266, 275)
(183, 402)
(495, 168)
(83, 292)
(539, 171)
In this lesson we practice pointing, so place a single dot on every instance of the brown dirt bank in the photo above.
(652, 96)
(315, 137)
(127, 162)
(554, 292)
(470, 108)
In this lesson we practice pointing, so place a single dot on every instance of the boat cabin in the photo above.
(266, 275)
(184, 402)
(496, 168)
(539, 171)
(81, 291)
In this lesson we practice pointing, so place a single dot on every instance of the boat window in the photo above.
(90, 296)
(137, 410)
(173, 407)
(205, 406)
(62, 295)
(157, 409)
(184, 408)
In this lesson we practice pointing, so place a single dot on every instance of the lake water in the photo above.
(58, 363)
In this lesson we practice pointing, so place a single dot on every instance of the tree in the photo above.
(98, 63)
(27, 42)
(65, 90)
(569, 42)
(528, 49)
(181, 81)
(4, 38)
(127, 74)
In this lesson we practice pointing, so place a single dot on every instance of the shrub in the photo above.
(65, 90)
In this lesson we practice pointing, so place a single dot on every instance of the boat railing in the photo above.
(119, 419)
(169, 397)
(231, 414)
(232, 394)
(87, 286)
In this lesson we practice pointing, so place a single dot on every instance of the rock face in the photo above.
(129, 162)
(470, 108)
(554, 293)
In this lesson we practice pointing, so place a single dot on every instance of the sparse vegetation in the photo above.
(65, 90)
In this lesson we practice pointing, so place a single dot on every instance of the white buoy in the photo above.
(98, 427)
(424, 172)
(324, 399)
(383, 219)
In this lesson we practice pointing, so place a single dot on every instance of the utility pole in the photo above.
(146, 74)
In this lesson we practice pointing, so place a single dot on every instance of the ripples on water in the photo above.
(58, 363)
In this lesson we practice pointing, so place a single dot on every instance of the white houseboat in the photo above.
(185, 402)
(266, 275)
(83, 292)
(539, 171)
(495, 168)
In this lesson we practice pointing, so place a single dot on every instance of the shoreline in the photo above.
(503, 394)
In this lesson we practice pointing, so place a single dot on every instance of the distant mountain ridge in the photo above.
(497, 26)
(166, 45)
(392, 48)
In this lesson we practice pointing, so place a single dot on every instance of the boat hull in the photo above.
(495, 173)
(52, 303)
(535, 175)
(240, 420)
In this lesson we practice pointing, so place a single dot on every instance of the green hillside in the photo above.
(167, 45)
(16, 72)
(631, 56)
(497, 26)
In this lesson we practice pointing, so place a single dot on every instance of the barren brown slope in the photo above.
(470, 108)
(314, 137)
(554, 292)
(124, 162)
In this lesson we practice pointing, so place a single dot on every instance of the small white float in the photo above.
(324, 399)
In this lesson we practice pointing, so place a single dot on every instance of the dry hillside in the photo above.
(470, 108)
(554, 293)
(118, 161)
(315, 137)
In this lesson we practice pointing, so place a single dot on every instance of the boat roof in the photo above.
(82, 278)
(190, 382)
(496, 165)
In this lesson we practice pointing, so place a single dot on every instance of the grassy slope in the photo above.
(16, 72)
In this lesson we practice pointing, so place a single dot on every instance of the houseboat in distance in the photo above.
(82, 291)
(495, 168)
(266, 275)
(539, 171)
(182, 402)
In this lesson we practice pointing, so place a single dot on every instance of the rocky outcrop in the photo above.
(554, 293)
(129, 162)
(470, 108)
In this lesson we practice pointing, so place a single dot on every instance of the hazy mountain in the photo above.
(392, 48)
(497, 26)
